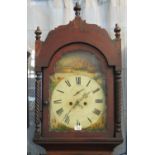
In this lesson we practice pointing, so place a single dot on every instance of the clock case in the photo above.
(78, 35)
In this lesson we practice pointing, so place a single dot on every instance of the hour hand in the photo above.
(78, 92)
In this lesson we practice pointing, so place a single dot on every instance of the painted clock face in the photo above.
(77, 93)
(78, 100)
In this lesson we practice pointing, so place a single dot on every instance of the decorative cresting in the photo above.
(37, 104)
(118, 91)
(77, 9)
(81, 31)
(38, 42)
(38, 33)
(117, 31)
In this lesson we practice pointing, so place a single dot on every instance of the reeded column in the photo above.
(118, 96)
(37, 104)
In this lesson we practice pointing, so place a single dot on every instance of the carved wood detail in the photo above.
(77, 9)
(117, 31)
(38, 33)
(38, 42)
(77, 31)
(37, 104)
(118, 91)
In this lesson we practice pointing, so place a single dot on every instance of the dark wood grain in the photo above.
(118, 103)
(78, 31)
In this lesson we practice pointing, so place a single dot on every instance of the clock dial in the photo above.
(79, 99)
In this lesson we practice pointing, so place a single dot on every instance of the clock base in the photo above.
(79, 153)
(79, 147)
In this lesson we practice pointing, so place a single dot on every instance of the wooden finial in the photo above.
(117, 31)
(38, 33)
(77, 9)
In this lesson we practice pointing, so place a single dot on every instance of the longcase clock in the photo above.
(78, 89)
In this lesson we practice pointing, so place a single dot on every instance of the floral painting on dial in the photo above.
(85, 67)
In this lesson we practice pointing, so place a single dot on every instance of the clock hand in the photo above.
(76, 103)
(78, 92)
(84, 96)
(80, 106)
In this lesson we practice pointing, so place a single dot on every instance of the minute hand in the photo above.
(85, 95)
(76, 103)
(78, 92)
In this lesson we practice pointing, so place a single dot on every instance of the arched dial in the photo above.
(78, 99)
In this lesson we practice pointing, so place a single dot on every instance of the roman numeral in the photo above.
(78, 80)
(59, 111)
(96, 90)
(99, 100)
(96, 111)
(68, 83)
(57, 101)
(89, 120)
(66, 119)
(60, 91)
(88, 83)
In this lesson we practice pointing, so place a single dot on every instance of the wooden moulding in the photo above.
(77, 31)
(37, 104)
(118, 91)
